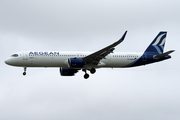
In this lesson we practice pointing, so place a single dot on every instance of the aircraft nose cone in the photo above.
(8, 61)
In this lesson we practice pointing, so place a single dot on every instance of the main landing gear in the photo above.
(86, 75)
(24, 73)
(92, 70)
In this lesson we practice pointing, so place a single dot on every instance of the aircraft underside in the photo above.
(71, 62)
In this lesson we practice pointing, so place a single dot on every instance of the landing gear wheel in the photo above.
(93, 70)
(86, 76)
(24, 73)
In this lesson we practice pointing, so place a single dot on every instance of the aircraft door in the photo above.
(25, 55)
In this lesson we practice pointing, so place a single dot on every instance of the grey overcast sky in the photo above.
(149, 92)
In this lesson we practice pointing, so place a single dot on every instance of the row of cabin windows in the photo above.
(123, 56)
(82, 55)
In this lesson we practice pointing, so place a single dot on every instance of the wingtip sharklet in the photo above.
(124, 35)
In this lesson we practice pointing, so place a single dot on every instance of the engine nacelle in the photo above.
(76, 62)
(67, 71)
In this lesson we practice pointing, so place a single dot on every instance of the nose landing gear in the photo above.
(24, 73)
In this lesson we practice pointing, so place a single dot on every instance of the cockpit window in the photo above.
(14, 55)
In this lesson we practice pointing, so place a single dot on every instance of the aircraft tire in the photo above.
(86, 76)
(24, 73)
(93, 70)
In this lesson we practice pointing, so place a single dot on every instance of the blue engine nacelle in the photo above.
(67, 71)
(76, 62)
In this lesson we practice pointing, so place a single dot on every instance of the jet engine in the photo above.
(75, 62)
(67, 71)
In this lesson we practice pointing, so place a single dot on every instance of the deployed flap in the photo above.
(95, 57)
(163, 54)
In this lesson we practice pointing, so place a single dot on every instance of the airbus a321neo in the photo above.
(71, 62)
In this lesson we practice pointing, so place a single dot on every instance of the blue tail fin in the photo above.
(157, 45)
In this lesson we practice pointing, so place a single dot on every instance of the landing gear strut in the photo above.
(86, 76)
(24, 73)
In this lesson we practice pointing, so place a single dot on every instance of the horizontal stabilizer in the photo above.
(163, 54)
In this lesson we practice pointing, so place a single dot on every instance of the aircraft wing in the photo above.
(94, 58)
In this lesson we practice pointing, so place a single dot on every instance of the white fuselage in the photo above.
(60, 59)
(71, 62)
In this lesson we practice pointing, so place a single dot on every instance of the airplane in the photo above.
(71, 62)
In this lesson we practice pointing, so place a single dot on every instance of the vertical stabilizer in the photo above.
(157, 45)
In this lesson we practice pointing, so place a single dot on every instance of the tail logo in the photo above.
(159, 43)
